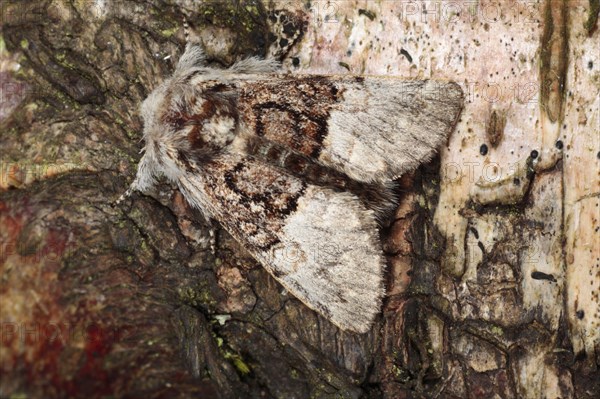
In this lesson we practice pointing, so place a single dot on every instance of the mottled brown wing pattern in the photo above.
(283, 163)
(249, 198)
(372, 129)
(312, 239)
(290, 111)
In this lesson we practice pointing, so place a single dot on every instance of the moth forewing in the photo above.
(295, 166)
(372, 129)
(321, 244)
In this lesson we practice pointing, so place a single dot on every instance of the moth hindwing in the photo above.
(296, 168)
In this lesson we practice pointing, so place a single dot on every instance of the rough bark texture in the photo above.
(494, 269)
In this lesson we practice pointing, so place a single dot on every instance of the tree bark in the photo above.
(494, 272)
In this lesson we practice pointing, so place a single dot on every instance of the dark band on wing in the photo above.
(304, 132)
(259, 206)
(381, 199)
(295, 163)
(270, 198)
(291, 112)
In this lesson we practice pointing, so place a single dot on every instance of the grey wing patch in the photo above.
(321, 245)
(330, 258)
(372, 129)
(384, 127)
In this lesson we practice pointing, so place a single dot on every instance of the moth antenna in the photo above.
(212, 237)
(193, 56)
(124, 196)
(186, 30)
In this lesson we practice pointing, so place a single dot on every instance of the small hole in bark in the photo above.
(483, 150)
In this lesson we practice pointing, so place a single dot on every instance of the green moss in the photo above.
(496, 330)
(241, 366)
(24, 44)
(400, 374)
(169, 32)
(22, 73)
(131, 134)
(65, 99)
(63, 60)
(197, 296)
(235, 358)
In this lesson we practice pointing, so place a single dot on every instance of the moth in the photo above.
(298, 168)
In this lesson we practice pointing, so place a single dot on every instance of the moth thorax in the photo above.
(207, 123)
(213, 133)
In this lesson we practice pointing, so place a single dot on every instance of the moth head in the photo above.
(160, 149)
(188, 120)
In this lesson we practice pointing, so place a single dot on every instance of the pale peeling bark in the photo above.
(520, 269)
(493, 267)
